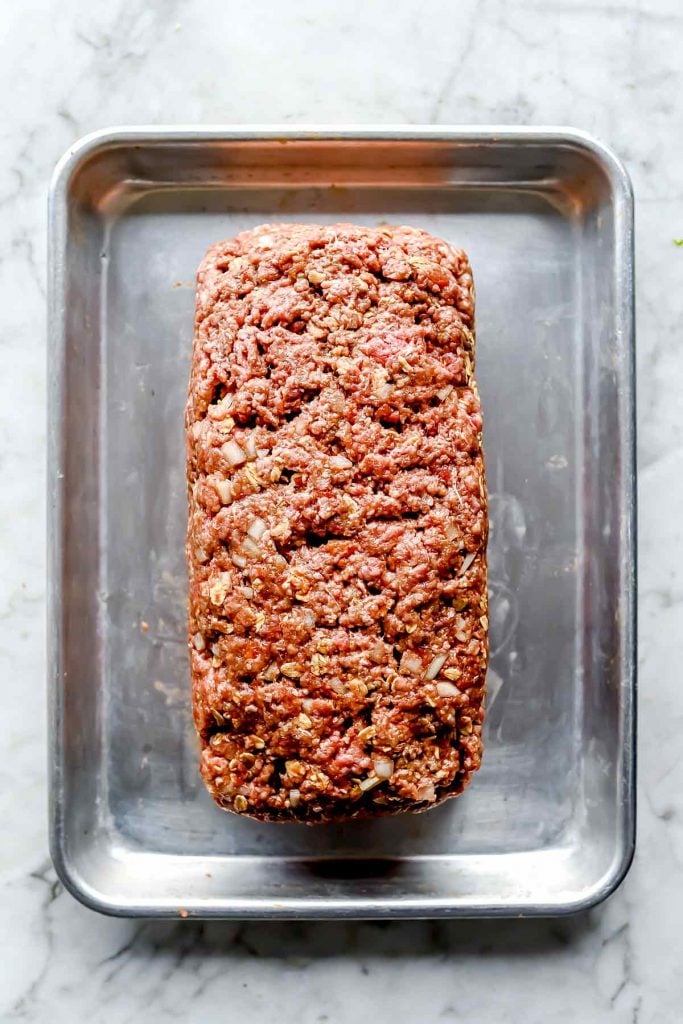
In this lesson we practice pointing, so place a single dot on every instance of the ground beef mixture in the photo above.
(337, 523)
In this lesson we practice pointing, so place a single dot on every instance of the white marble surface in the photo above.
(611, 67)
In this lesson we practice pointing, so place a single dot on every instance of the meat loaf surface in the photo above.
(337, 522)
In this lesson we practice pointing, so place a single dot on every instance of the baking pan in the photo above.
(546, 216)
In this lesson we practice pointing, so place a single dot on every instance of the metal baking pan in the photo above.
(548, 824)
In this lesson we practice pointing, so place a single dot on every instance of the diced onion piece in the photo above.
(425, 791)
(294, 797)
(272, 672)
(309, 617)
(257, 527)
(340, 462)
(199, 642)
(224, 491)
(376, 654)
(385, 391)
(250, 446)
(435, 667)
(384, 767)
(250, 547)
(467, 562)
(451, 531)
(365, 784)
(447, 690)
(238, 559)
(411, 663)
(233, 453)
(444, 392)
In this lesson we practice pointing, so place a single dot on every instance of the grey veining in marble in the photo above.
(613, 68)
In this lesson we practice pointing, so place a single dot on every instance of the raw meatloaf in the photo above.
(337, 523)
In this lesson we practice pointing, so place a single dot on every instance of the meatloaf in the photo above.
(337, 523)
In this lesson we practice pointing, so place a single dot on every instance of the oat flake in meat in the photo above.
(337, 522)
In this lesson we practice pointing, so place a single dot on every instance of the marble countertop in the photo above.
(611, 67)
